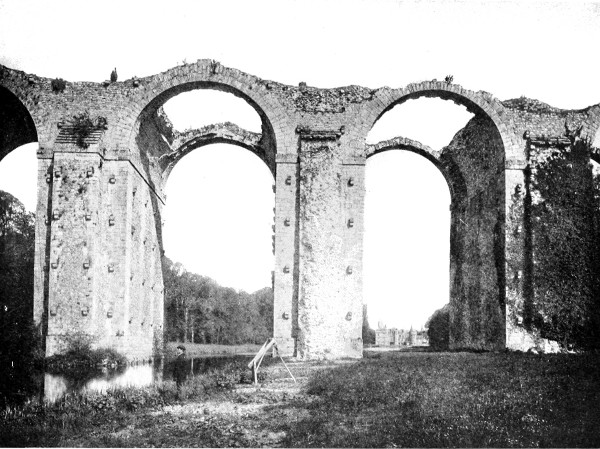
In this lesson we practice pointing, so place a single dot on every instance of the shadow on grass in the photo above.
(453, 399)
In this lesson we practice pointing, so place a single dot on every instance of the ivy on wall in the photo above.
(564, 234)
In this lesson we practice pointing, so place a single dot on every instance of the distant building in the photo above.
(400, 337)
(382, 337)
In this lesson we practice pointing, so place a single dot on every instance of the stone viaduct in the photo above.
(100, 195)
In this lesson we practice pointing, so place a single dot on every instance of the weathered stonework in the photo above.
(477, 293)
(98, 231)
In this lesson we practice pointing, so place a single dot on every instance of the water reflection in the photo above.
(57, 385)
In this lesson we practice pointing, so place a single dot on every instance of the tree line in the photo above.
(18, 339)
(199, 310)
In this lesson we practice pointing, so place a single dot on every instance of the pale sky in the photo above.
(219, 223)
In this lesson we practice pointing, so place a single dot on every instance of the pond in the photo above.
(56, 385)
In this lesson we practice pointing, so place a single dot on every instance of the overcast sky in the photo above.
(543, 50)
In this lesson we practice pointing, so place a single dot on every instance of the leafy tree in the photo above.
(438, 329)
(18, 342)
(368, 334)
(199, 310)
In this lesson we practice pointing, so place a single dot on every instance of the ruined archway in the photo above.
(217, 224)
(157, 149)
(155, 138)
(98, 243)
(479, 103)
(406, 242)
(474, 167)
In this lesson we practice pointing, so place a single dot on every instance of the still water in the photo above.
(99, 380)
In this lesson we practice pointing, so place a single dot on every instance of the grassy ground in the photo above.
(386, 400)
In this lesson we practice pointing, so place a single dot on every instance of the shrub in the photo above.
(58, 85)
(439, 329)
(83, 126)
(228, 376)
(80, 356)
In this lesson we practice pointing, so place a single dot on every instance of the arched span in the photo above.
(16, 124)
(185, 142)
(155, 90)
(442, 160)
(475, 102)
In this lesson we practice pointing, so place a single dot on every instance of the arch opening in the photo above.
(157, 148)
(198, 108)
(406, 248)
(430, 121)
(16, 124)
(152, 118)
(217, 226)
(159, 142)
(472, 163)
(18, 197)
(18, 174)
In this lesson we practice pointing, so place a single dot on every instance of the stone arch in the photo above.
(149, 134)
(16, 123)
(451, 172)
(154, 91)
(187, 141)
(147, 148)
(443, 161)
(476, 102)
(473, 165)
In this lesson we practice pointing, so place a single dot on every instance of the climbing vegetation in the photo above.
(83, 126)
(565, 236)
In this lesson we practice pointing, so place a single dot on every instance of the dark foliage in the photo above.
(199, 310)
(564, 235)
(80, 356)
(19, 345)
(113, 76)
(83, 125)
(438, 331)
(368, 334)
(58, 85)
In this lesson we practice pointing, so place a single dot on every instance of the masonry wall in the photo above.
(143, 298)
(329, 301)
(285, 276)
(104, 277)
(74, 308)
(42, 235)
(561, 303)
(477, 291)
(132, 290)
(98, 257)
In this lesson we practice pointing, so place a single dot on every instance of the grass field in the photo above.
(385, 400)
(455, 399)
